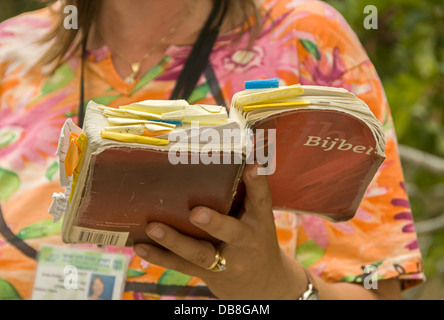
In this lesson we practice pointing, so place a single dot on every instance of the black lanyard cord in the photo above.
(81, 115)
(199, 56)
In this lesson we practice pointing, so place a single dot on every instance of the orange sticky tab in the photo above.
(72, 155)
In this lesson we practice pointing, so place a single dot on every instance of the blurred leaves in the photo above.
(10, 8)
(407, 50)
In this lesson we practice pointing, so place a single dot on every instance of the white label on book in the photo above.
(102, 237)
(58, 205)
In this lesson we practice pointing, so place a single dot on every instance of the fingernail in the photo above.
(140, 251)
(155, 232)
(202, 217)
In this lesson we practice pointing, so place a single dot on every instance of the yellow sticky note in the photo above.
(276, 105)
(125, 137)
(81, 144)
(268, 96)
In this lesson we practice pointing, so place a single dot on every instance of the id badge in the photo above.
(71, 273)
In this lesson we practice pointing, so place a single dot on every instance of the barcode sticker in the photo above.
(102, 237)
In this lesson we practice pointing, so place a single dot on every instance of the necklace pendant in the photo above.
(135, 67)
(130, 79)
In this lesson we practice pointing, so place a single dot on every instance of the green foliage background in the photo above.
(407, 49)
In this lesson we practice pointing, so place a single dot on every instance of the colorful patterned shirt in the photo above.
(304, 42)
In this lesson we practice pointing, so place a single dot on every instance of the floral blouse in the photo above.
(304, 42)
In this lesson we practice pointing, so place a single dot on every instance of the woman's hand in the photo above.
(256, 267)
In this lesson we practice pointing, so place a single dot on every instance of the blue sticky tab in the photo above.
(262, 84)
(177, 123)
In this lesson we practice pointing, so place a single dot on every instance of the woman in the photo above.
(97, 287)
(137, 51)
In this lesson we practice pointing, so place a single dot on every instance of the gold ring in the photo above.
(219, 262)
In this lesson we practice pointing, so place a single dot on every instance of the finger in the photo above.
(258, 194)
(200, 253)
(167, 259)
(226, 228)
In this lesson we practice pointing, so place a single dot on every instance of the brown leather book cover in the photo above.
(128, 188)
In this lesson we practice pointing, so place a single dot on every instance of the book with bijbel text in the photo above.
(155, 160)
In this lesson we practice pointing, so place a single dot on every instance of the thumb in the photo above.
(258, 199)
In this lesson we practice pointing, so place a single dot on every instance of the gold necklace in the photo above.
(136, 66)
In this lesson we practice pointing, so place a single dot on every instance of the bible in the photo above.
(320, 148)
